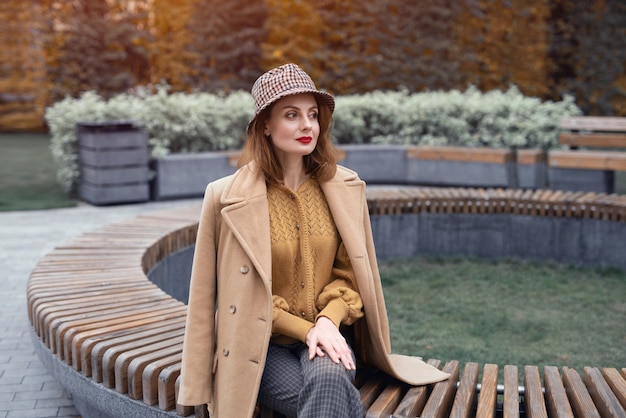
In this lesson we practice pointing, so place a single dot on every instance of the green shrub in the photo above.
(197, 122)
(471, 119)
(175, 123)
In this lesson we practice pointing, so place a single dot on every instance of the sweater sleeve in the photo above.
(286, 323)
(340, 300)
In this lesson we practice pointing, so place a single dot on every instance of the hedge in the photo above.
(199, 122)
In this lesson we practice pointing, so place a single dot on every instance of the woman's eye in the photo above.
(291, 115)
(313, 115)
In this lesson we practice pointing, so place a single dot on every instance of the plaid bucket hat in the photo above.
(286, 80)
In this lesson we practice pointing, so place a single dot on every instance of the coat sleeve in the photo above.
(196, 386)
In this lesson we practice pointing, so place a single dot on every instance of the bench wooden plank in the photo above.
(533, 393)
(579, 398)
(511, 392)
(601, 393)
(465, 398)
(604, 140)
(440, 401)
(130, 338)
(445, 153)
(48, 311)
(129, 368)
(488, 398)
(415, 398)
(371, 389)
(617, 384)
(556, 397)
(594, 123)
(386, 401)
(150, 378)
(67, 332)
(593, 160)
(590, 131)
(166, 387)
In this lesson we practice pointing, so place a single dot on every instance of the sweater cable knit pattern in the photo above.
(305, 244)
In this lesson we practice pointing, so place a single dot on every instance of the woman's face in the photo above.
(293, 125)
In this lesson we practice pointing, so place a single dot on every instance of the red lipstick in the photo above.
(304, 139)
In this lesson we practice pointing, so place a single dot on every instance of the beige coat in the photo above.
(224, 353)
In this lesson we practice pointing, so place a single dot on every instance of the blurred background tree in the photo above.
(50, 49)
(226, 38)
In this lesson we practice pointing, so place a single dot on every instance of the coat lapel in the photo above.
(247, 215)
(345, 197)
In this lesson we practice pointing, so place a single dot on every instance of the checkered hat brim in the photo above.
(286, 80)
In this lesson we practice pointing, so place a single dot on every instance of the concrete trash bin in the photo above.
(113, 159)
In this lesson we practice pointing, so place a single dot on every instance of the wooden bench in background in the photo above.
(593, 132)
(95, 311)
(597, 148)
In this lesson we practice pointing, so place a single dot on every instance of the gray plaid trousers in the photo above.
(298, 387)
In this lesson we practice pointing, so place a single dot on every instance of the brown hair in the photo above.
(321, 163)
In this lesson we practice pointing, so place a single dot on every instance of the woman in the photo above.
(285, 273)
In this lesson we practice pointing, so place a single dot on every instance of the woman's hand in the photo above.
(325, 338)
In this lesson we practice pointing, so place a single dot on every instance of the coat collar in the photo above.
(246, 212)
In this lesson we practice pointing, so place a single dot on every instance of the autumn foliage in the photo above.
(51, 49)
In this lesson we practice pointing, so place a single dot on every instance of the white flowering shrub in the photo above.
(175, 123)
(197, 122)
(473, 119)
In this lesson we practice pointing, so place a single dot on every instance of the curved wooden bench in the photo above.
(94, 311)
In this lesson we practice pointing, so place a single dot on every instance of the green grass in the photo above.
(507, 312)
(28, 175)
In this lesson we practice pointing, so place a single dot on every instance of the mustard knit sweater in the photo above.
(311, 272)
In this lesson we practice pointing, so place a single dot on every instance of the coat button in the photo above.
(226, 352)
(302, 314)
(302, 285)
(233, 309)
(244, 269)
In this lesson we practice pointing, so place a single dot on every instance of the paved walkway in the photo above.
(26, 389)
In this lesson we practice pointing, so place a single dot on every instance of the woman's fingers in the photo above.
(325, 338)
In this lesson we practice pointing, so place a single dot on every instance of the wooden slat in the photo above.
(511, 392)
(466, 392)
(387, 401)
(617, 384)
(556, 397)
(488, 392)
(133, 337)
(150, 377)
(533, 393)
(370, 391)
(592, 160)
(122, 372)
(594, 123)
(531, 156)
(137, 316)
(166, 387)
(601, 393)
(600, 140)
(440, 400)
(415, 398)
(579, 398)
(482, 155)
